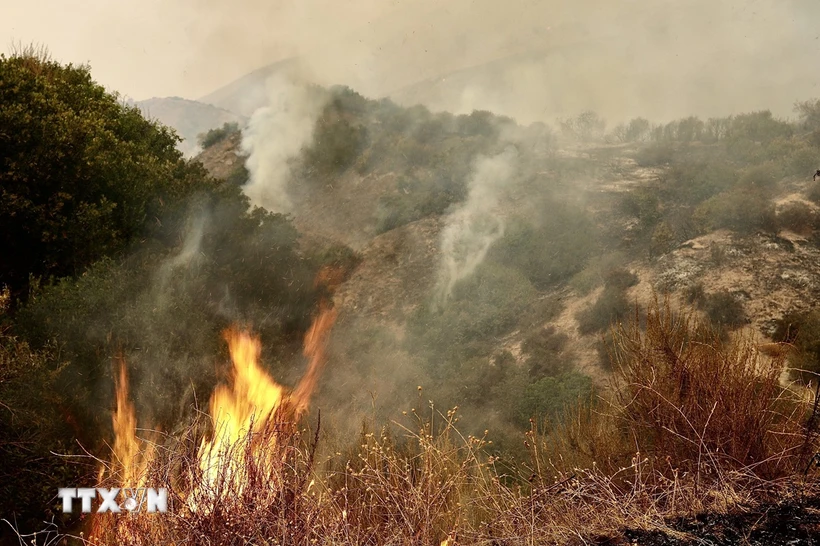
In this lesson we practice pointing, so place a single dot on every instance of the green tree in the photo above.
(82, 175)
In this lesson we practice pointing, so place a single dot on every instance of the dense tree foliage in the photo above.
(82, 175)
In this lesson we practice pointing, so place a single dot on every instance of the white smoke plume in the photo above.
(172, 269)
(275, 135)
(473, 227)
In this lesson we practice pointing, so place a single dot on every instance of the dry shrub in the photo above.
(686, 393)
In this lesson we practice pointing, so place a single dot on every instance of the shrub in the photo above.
(725, 310)
(35, 425)
(336, 145)
(586, 127)
(760, 177)
(743, 211)
(595, 272)
(84, 175)
(215, 136)
(691, 182)
(809, 114)
(611, 306)
(416, 198)
(482, 306)
(802, 330)
(550, 251)
(758, 127)
(692, 399)
(551, 397)
(546, 355)
(643, 204)
(663, 240)
(798, 217)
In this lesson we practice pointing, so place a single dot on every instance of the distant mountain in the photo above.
(246, 94)
(188, 117)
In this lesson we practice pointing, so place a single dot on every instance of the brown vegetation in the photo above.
(693, 423)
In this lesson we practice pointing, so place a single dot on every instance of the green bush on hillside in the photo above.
(82, 175)
(217, 135)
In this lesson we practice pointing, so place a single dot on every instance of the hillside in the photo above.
(642, 236)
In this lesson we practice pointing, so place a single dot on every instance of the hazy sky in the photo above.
(656, 57)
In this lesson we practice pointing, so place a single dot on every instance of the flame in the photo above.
(130, 460)
(314, 349)
(129, 456)
(248, 415)
(249, 406)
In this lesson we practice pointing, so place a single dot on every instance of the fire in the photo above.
(130, 457)
(130, 460)
(249, 406)
(254, 410)
(314, 349)
(249, 416)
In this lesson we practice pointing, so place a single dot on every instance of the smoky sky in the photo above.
(533, 60)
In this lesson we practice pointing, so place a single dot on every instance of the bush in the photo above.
(760, 177)
(610, 307)
(655, 155)
(809, 114)
(758, 127)
(596, 271)
(692, 182)
(163, 309)
(84, 175)
(743, 211)
(482, 306)
(551, 397)
(35, 424)
(692, 398)
(552, 250)
(725, 310)
(663, 240)
(801, 162)
(545, 350)
(215, 136)
(337, 144)
(798, 217)
(643, 204)
(417, 198)
(802, 330)
(586, 127)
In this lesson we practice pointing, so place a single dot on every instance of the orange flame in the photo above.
(130, 456)
(314, 348)
(247, 415)
(248, 407)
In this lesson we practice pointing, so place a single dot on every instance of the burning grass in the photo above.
(692, 424)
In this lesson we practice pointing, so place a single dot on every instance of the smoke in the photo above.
(275, 135)
(474, 226)
(186, 257)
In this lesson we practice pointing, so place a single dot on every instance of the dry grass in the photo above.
(692, 424)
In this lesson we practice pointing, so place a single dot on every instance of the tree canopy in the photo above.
(82, 174)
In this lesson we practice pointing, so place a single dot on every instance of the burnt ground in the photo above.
(790, 523)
